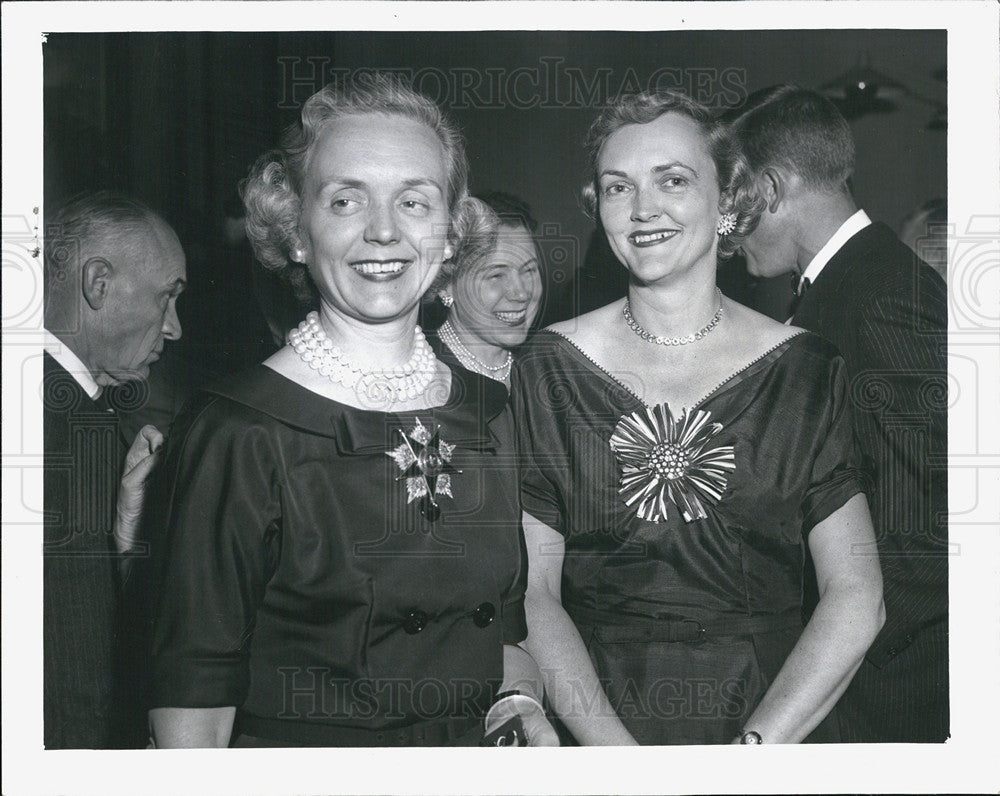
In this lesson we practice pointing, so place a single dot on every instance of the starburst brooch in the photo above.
(424, 460)
(662, 458)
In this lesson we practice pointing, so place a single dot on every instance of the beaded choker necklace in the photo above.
(633, 324)
(406, 381)
(451, 339)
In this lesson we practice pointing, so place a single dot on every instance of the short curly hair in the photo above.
(512, 210)
(739, 194)
(496, 209)
(273, 189)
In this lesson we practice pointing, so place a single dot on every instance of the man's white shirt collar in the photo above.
(847, 230)
(72, 364)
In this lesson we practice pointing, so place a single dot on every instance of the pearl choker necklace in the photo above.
(451, 339)
(406, 381)
(633, 324)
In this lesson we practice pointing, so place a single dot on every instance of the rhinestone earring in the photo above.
(727, 223)
(447, 299)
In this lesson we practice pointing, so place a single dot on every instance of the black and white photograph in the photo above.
(385, 382)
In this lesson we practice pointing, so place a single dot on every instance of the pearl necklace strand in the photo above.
(451, 339)
(403, 382)
(633, 324)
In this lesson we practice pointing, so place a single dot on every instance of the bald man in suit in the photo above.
(113, 272)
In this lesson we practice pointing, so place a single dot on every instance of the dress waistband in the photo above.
(436, 732)
(611, 627)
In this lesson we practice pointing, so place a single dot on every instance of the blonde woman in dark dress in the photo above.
(339, 555)
(680, 452)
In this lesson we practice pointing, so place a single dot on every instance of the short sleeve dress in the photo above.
(305, 575)
(685, 534)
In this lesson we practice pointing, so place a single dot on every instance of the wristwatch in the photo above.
(750, 738)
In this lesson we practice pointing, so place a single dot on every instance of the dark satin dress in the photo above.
(298, 582)
(687, 622)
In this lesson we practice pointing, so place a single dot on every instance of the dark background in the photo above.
(176, 119)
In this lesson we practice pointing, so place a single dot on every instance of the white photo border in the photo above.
(965, 764)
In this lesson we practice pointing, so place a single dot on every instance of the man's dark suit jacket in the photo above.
(887, 313)
(86, 702)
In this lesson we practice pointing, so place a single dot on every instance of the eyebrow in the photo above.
(673, 165)
(656, 169)
(492, 266)
(421, 181)
(348, 182)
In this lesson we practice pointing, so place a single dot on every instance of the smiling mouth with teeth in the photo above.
(378, 267)
(512, 318)
(651, 238)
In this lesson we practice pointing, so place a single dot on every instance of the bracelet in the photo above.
(512, 692)
(505, 696)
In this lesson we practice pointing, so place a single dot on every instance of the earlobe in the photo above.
(96, 273)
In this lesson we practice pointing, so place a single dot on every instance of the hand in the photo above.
(139, 462)
(536, 727)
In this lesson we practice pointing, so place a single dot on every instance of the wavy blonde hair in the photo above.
(272, 191)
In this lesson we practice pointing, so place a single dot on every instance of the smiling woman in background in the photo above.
(679, 451)
(492, 290)
(340, 561)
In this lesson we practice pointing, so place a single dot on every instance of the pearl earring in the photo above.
(448, 252)
(447, 299)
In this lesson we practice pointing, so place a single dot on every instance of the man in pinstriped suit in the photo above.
(860, 287)
(113, 272)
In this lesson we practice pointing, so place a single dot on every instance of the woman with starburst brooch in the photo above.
(681, 453)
